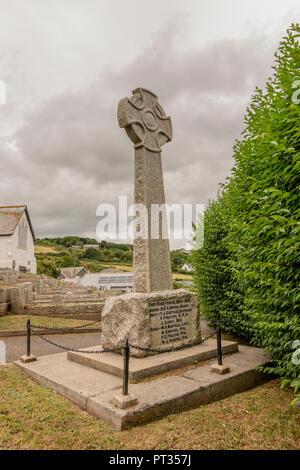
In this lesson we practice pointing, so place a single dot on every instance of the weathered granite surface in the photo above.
(160, 320)
(155, 316)
(149, 128)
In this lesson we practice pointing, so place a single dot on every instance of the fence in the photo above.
(125, 348)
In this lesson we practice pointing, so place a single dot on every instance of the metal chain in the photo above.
(73, 349)
(66, 328)
(66, 348)
(180, 348)
(224, 322)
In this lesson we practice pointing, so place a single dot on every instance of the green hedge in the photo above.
(248, 268)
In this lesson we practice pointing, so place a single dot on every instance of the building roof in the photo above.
(111, 276)
(112, 270)
(10, 217)
(68, 273)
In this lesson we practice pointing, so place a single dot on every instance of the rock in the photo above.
(159, 320)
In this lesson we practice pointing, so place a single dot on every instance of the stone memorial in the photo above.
(155, 316)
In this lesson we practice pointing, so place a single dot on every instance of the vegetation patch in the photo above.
(247, 271)
(33, 417)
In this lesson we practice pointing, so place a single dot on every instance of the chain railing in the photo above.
(66, 348)
(65, 328)
(31, 329)
(224, 322)
(179, 348)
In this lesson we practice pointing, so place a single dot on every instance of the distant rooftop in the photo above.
(10, 217)
(70, 273)
(111, 270)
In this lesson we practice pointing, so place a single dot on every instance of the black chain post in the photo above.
(125, 368)
(28, 337)
(219, 343)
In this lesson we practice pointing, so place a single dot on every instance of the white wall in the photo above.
(9, 250)
(92, 280)
(5, 261)
(71, 280)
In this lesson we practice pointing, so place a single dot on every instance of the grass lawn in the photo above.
(18, 322)
(185, 277)
(33, 417)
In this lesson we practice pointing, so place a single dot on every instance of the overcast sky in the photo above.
(66, 64)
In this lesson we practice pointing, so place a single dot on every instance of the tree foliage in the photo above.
(247, 270)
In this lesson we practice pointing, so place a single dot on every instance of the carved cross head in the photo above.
(144, 120)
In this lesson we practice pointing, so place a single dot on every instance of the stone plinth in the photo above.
(94, 390)
(142, 367)
(160, 320)
(26, 359)
(220, 369)
(124, 401)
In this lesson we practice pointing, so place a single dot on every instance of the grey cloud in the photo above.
(70, 154)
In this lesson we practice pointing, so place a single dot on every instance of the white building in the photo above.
(187, 267)
(109, 279)
(16, 239)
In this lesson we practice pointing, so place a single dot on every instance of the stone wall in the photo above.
(40, 295)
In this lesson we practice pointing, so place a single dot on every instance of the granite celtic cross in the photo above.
(149, 128)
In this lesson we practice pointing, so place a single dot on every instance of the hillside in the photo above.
(55, 253)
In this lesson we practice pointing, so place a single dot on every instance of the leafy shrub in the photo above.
(47, 267)
(247, 270)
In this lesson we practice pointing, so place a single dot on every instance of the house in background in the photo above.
(187, 267)
(16, 239)
(72, 275)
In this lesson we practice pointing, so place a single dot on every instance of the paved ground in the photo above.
(16, 346)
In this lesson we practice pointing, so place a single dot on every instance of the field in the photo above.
(33, 417)
(55, 253)
(44, 249)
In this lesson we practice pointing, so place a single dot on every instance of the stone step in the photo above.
(94, 390)
(140, 368)
(4, 307)
(45, 309)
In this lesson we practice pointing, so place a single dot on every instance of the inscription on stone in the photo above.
(170, 320)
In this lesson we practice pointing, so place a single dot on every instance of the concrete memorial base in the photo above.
(158, 320)
(94, 390)
(139, 368)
